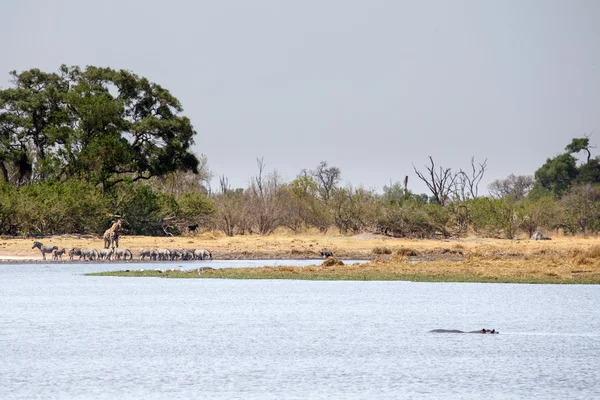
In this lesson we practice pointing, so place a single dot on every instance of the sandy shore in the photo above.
(363, 246)
(472, 259)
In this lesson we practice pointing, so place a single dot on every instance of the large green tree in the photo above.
(99, 124)
(556, 175)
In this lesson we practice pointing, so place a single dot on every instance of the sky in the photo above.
(370, 86)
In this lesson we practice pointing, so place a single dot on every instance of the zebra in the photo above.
(164, 254)
(44, 249)
(57, 254)
(106, 254)
(177, 254)
(202, 254)
(152, 254)
(89, 254)
(76, 251)
(123, 253)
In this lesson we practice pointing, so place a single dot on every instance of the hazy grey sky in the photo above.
(370, 86)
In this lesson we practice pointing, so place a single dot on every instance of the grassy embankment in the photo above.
(563, 260)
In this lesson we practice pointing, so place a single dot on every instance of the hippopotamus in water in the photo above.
(492, 331)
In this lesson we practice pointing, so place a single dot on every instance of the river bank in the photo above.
(581, 269)
(472, 259)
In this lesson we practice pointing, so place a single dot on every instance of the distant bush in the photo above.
(405, 252)
(50, 208)
(332, 261)
(381, 250)
(593, 252)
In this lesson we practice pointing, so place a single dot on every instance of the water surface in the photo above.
(65, 335)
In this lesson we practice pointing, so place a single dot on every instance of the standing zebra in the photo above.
(44, 249)
(57, 254)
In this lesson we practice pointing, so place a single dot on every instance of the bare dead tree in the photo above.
(231, 208)
(266, 202)
(327, 178)
(259, 179)
(224, 184)
(467, 186)
(440, 182)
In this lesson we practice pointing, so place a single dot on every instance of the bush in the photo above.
(405, 252)
(49, 208)
(593, 252)
(331, 261)
(413, 219)
(381, 250)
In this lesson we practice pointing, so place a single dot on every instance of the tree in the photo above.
(440, 182)
(538, 214)
(580, 144)
(581, 209)
(588, 172)
(515, 187)
(354, 210)
(557, 174)
(467, 185)
(99, 124)
(412, 218)
(266, 201)
(231, 208)
(327, 179)
(194, 209)
(495, 216)
(178, 183)
(304, 207)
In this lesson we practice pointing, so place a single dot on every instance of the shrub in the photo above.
(381, 250)
(331, 261)
(593, 252)
(405, 252)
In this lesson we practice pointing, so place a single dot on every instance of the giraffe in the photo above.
(111, 235)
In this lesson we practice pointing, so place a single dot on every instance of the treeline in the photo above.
(179, 203)
(82, 147)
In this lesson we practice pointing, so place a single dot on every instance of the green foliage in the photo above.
(140, 208)
(195, 209)
(51, 208)
(537, 213)
(557, 174)
(413, 219)
(588, 173)
(581, 209)
(97, 124)
(353, 210)
(495, 217)
(305, 209)
(579, 144)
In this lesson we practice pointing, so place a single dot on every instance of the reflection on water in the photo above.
(64, 335)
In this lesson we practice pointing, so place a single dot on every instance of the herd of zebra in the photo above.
(89, 254)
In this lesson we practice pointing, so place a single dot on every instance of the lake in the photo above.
(68, 336)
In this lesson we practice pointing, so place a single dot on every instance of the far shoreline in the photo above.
(564, 259)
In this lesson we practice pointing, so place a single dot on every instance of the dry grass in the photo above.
(308, 246)
(538, 270)
(405, 252)
(561, 260)
(381, 250)
(331, 262)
